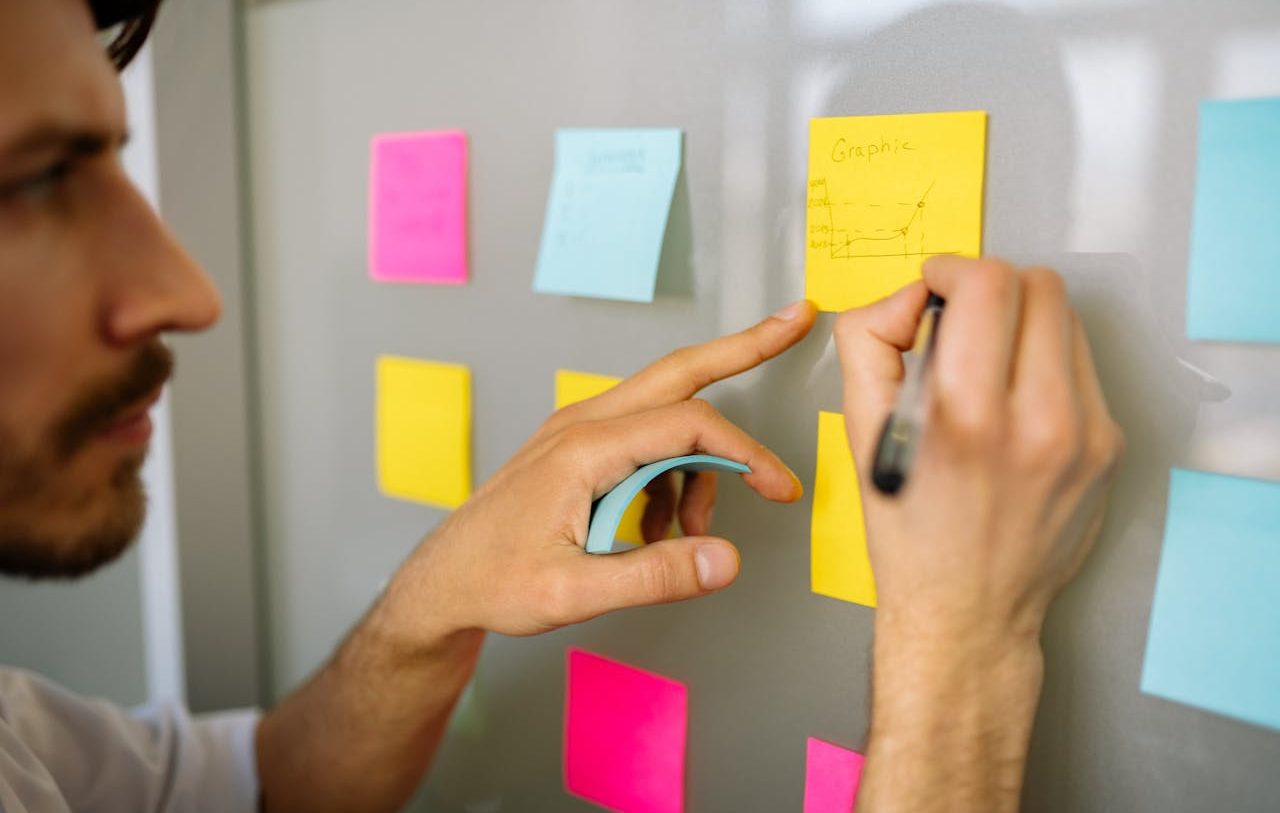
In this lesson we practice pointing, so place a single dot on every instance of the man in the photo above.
(1003, 506)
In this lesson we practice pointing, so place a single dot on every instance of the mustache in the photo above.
(105, 402)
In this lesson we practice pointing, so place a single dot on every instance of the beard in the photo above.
(54, 524)
(32, 549)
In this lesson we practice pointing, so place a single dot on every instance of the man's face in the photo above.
(89, 280)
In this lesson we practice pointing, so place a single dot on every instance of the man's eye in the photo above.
(39, 187)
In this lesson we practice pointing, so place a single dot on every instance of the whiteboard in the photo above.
(1090, 168)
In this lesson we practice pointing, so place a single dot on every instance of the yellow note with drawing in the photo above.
(840, 566)
(885, 192)
(424, 431)
(573, 386)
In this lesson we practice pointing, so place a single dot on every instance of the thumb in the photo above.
(657, 573)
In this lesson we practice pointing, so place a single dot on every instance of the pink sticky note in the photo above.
(418, 207)
(625, 733)
(831, 779)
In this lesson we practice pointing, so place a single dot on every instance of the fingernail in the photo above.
(717, 565)
(793, 311)
(799, 486)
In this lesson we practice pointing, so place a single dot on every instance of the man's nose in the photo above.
(151, 285)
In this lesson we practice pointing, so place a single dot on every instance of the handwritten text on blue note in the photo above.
(1214, 640)
(1234, 275)
(607, 212)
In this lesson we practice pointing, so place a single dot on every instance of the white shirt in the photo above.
(60, 752)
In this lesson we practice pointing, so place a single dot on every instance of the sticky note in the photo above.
(418, 207)
(831, 778)
(1214, 640)
(625, 734)
(1233, 281)
(573, 386)
(607, 213)
(602, 532)
(885, 192)
(424, 431)
(839, 564)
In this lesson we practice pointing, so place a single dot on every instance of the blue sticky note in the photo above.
(607, 213)
(1214, 640)
(1233, 281)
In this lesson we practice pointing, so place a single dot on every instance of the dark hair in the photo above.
(134, 17)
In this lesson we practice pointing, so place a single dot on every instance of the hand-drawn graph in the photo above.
(886, 192)
(865, 229)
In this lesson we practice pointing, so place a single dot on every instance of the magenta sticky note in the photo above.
(418, 207)
(831, 779)
(625, 734)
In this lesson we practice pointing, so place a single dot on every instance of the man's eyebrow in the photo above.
(72, 141)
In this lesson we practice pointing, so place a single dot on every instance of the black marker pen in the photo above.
(897, 446)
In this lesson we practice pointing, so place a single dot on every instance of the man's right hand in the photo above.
(1003, 504)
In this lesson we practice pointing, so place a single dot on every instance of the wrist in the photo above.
(402, 631)
(946, 632)
(953, 702)
(419, 613)
(919, 663)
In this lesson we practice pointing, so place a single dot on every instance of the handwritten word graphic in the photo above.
(886, 192)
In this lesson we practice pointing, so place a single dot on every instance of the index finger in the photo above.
(681, 374)
(603, 453)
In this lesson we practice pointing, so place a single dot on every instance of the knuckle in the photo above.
(761, 343)
(576, 435)
(551, 426)
(561, 418)
(700, 410)
(679, 358)
(975, 426)
(1047, 282)
(995, 280)
(548, 429)
(1119, 443)
(660, 578)
(1106, 447)
(571, 444)
(1052, 440)
(846, 327)
(557, 598)
(684, 362)
(993, 266)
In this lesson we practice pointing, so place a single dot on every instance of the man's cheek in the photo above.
(20, 357)
(33, 390)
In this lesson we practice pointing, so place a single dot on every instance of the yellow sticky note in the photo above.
(572, 387)
(840, 565)
(424, 431)
(885, 192)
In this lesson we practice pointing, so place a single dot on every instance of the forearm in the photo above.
(361, 733)
(950, 722)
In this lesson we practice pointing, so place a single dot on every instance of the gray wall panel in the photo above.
(197, 120)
